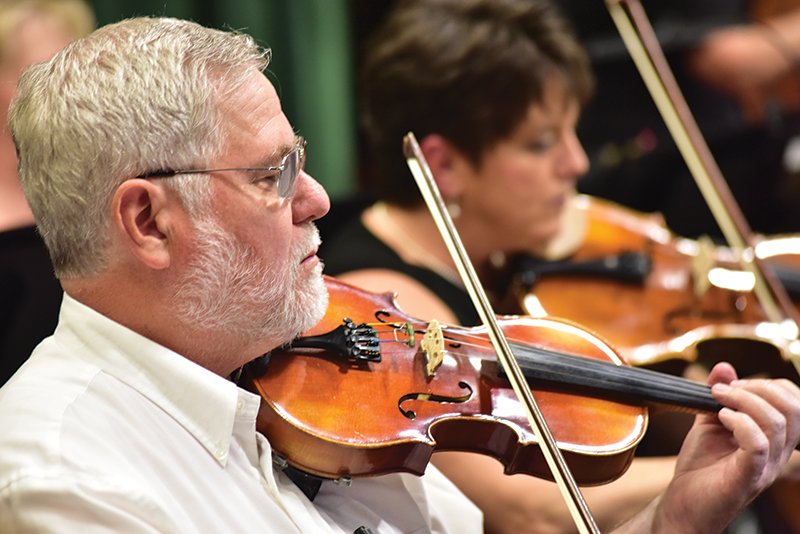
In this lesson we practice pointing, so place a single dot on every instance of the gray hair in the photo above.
(134, 97)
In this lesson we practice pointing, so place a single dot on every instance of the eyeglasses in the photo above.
(289, 169)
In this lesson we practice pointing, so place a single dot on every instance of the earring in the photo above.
(497, 259)
(454, 209)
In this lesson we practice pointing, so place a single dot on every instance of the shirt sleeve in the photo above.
(49, 505)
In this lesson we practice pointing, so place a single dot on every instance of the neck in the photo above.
(413, 235)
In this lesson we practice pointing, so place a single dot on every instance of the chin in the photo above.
(314, 299)
(542, 239)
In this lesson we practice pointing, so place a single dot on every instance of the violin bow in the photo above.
(558, 466)
(640, 39)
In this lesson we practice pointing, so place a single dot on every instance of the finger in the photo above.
(721, 373)
(750, 435)
(781, 394)
(773, 406)
(753, 461)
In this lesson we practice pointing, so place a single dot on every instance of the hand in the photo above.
(747, 63)
(729, 458)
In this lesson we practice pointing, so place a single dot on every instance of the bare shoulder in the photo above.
(412, 296)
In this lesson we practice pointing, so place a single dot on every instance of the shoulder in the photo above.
(413, 297)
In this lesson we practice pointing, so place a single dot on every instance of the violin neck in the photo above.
(615, 382)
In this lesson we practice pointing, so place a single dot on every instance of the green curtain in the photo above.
(312, 67)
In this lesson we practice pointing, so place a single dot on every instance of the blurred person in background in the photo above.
(737, 64)
(31, 31)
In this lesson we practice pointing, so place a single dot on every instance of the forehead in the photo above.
(254, 119)
(556, 106)
(556, 100)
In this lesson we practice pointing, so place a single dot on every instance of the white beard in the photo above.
(227, 290)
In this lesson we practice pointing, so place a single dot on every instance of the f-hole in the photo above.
(432, 397)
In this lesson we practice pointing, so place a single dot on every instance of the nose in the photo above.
(310, 201)
(575, 162)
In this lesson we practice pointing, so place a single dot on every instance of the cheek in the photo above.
(530, 212)
(267, 234)
(277, 242)
(524, 191)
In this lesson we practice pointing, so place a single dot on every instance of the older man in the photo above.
(168, 186)
(123, 420)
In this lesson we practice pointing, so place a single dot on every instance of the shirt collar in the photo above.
(201, 401)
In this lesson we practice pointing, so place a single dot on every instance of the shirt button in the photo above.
(221, 453)
(239, 406)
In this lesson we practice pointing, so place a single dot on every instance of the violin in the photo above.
(763, 10)
(662, 301)
(370, 390)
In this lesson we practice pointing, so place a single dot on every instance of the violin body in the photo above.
(334, 416)
(662, 319)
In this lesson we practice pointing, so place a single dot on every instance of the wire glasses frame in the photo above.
(289, 169)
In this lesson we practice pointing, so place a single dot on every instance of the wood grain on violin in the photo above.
(337, 405)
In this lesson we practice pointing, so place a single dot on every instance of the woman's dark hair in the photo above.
(464, 69)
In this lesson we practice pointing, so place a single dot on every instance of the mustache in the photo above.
(309, 243)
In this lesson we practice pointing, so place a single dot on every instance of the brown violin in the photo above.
(370, 390)
(659, 299)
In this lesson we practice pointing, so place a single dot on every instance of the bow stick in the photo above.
(558, 466)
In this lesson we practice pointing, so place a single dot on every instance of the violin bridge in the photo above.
(702, 264)
(432, 345)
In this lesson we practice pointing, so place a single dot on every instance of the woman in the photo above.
(492, 89)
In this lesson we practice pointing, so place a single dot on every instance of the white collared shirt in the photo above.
(103, 430)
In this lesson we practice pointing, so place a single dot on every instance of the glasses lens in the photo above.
(287, 182)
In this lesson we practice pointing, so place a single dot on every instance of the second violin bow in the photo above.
(649, 59)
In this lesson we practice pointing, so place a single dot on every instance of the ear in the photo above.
(141, 215)
(447, 165)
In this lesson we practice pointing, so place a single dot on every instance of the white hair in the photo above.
(138, 96)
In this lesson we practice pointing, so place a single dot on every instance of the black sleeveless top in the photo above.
(352, 247)
(30, 297)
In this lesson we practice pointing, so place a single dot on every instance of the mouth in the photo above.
(556, 205)
(310, 257)
(562, 200)
(311, 243)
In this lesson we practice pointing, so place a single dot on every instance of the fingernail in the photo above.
(722, 388)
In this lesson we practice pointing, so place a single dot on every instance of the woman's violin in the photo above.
(370, 390)
(659, 299)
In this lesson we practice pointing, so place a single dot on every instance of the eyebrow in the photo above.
(278, 154)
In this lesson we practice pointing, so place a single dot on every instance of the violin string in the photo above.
(445, 328)
(487, 352)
